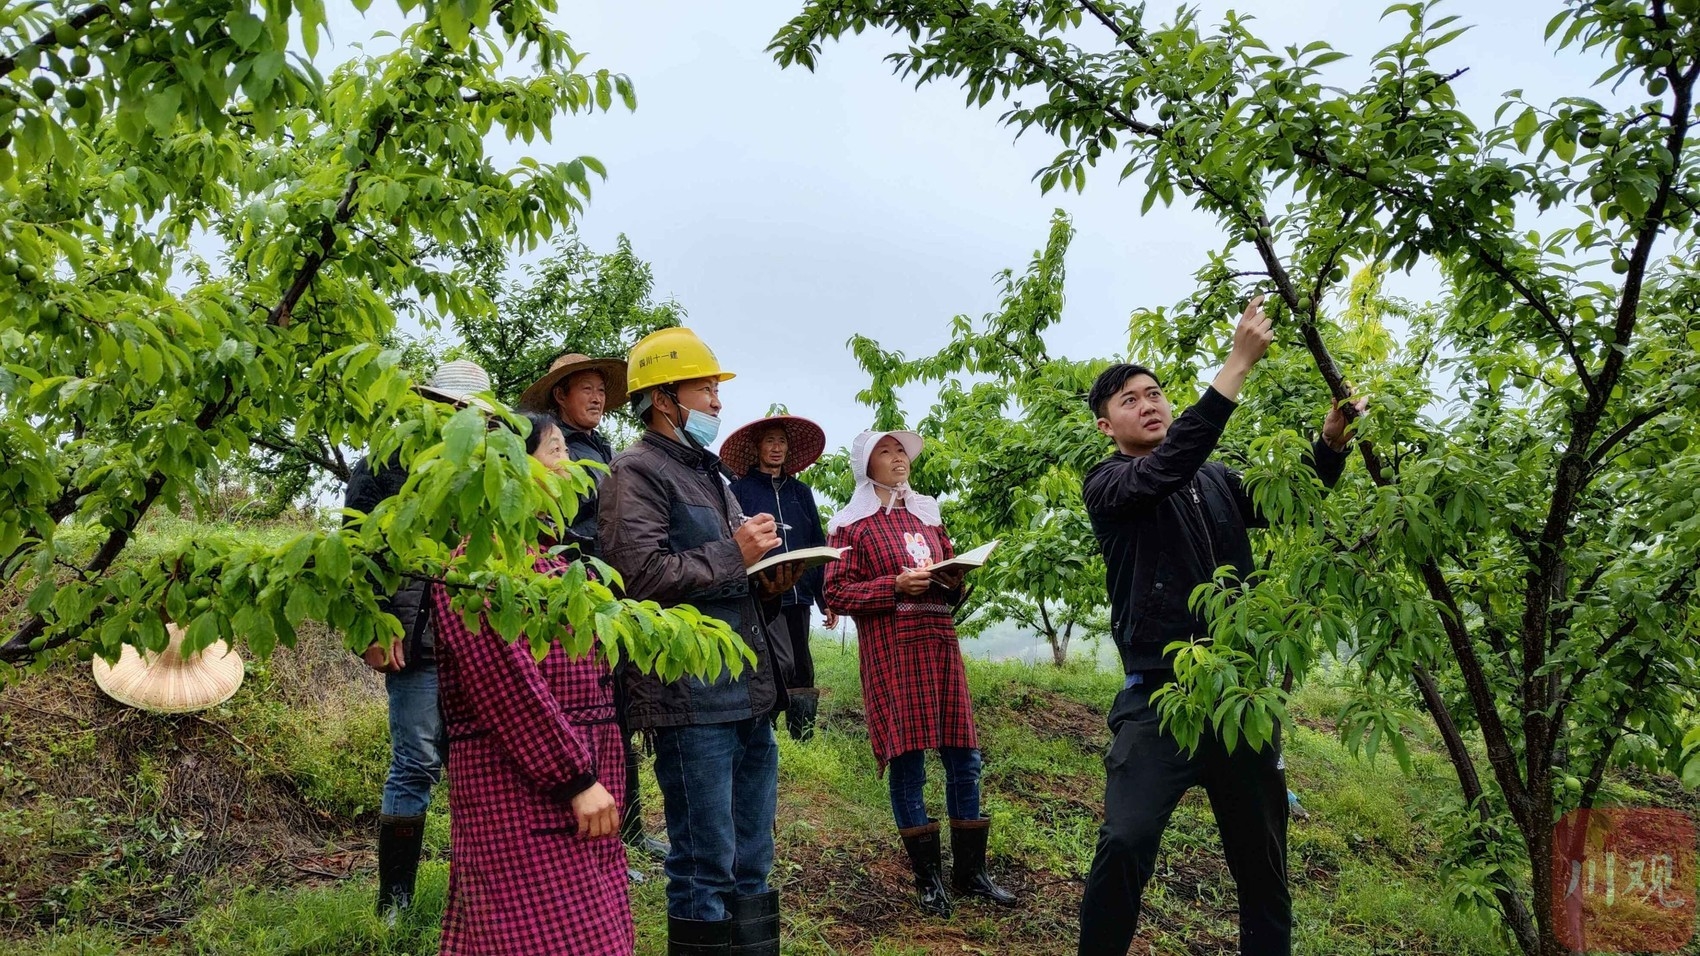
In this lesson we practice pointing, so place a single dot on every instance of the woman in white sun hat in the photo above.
(914, 686)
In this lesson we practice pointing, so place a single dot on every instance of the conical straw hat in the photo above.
(804, 439)
(168, 682)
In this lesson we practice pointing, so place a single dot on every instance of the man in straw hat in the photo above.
(409, 666)
(766, 455)
(578, 390)
(675, 533)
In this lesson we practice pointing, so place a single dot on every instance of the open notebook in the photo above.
(808, 557)
(967, 560)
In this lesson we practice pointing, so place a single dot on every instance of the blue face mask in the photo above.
(702, 427)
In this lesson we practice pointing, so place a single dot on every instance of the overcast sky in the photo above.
(787, 210)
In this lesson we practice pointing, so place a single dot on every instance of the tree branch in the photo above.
(1516, 911)
(48, 40)
(280, 313)
(1482, 696)
(1600, 452)
(1124, 35)
(337, 467)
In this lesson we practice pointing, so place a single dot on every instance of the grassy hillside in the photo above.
(246, 830)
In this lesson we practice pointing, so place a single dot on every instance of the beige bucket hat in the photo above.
(169, 682)
(456, 383)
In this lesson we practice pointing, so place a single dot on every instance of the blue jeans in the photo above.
(720, 788)
(907, 773)
(417, 746)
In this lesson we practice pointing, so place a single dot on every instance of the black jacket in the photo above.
(1166, 521)
(586, 446)
(410, 604)
(791, 503)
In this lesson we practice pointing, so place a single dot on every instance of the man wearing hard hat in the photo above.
(577, 389)
(672, 528)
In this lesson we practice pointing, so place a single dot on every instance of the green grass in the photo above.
(307, 734)
(329, 921)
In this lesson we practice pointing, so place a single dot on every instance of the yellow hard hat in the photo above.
(670, 355)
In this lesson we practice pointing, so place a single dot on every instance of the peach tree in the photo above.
(1520, 552)
(205, 240)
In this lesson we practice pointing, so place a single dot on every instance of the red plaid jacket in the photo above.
(524, 739)
(913, 684)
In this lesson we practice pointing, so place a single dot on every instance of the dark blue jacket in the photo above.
(586, 446)
(791, 503)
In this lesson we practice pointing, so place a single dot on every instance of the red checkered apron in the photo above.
(522, 881)
(913, 684)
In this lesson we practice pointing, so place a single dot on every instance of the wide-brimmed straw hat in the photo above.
(806, 441)
(539, 396)
(169, 682)
(456, 383)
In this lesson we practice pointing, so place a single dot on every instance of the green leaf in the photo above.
(42, 597)
(331, 560)
(202, 633)
(268, 66)
(244, 27)
(152, 367)
(162, 108)
(512, 501)
(455, 27)
(461, 435)
(303, 603)
(1523, 130)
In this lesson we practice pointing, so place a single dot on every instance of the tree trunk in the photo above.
(1059, 648)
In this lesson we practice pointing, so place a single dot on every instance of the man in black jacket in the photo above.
(1166, 518)
(677, 536)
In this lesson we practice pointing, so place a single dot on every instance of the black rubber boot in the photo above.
(755, 925)
(800, 718)
(399, 841)
(631, 823)
(922, 843)
(695, 937)
(968, 874)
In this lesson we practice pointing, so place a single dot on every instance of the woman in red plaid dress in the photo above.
(914, 689)
(538, 782)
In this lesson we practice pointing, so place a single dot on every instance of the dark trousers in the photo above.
(631, 819)
(803, 666)
(1146, 773)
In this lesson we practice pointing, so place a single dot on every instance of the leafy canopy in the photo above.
(137, 135)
